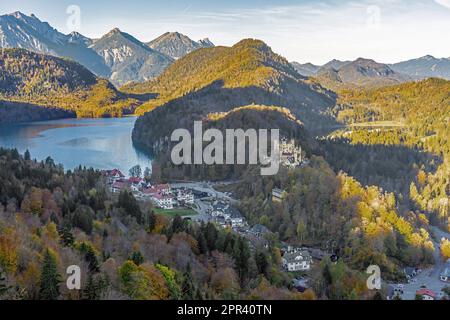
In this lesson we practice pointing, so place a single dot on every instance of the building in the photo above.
(113, 175)
(222, 211)
(426, 294)
(445, 275)
(278, 195)
(297, 261)
(163, 201)
(410, 272)
(185, 196)
(290, 154)
(258, 230)
(120, 185)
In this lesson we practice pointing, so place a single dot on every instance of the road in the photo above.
(202, 206)
(429, 277)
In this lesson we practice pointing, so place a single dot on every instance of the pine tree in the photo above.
(50, 278)
(188, 287)
(137, 258)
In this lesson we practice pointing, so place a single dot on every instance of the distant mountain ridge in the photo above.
(425, 67)
(420, 68)
(129, 59)
(177, 45)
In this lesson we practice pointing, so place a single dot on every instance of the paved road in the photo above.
(429, 277)
(204, 187)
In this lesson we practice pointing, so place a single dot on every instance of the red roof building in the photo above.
(427, 294)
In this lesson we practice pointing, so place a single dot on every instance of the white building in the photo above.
(163, 201)
(185, 196)
(297, 261)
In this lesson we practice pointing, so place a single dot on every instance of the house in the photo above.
(235, 218)
(119, 186)
(163, 188)
(393, 292)
(113, 175)
(445, 275)
(258, 230)
(426, 294)
(185, 196)
(410, 272)
(297, 261)
(278, 195)
(163, 201)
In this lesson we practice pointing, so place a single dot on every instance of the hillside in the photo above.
(246, 117)
(55, 82)
(177, 45)
(128, 58)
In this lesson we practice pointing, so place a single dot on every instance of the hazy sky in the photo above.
(305, 31)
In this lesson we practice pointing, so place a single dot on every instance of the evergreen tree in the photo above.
(27, 155)
(188, 287)
(50, 278)
(137, 258)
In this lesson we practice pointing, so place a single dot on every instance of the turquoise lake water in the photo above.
(96, 143)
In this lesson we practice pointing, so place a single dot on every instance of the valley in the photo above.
(365, 178)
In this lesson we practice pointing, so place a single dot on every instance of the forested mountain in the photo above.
(177, 45)
(48, 81)
(415, 115)
(247, 117)
(128, 58)
(220, 79)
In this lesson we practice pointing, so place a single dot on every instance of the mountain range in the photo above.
(117, 55)
(421, 68)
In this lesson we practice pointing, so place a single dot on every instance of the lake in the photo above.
(96, 143)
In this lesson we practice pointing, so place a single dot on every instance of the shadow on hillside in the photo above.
(306, 104)
(391, 167)
(12, 112)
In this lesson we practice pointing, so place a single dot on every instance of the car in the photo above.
(423, 286)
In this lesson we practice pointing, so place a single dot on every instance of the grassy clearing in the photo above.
(175, 212)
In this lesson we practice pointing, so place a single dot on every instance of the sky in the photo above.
(301, 30)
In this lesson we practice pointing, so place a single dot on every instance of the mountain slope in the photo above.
(306, 69)
(49, 81)
(424, 67)
(177, 45)
(223, 78)
(128, 58)
(18, 30)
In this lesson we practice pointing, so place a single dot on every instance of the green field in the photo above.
(175, 212)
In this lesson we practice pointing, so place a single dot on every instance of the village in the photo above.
(201, 202)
